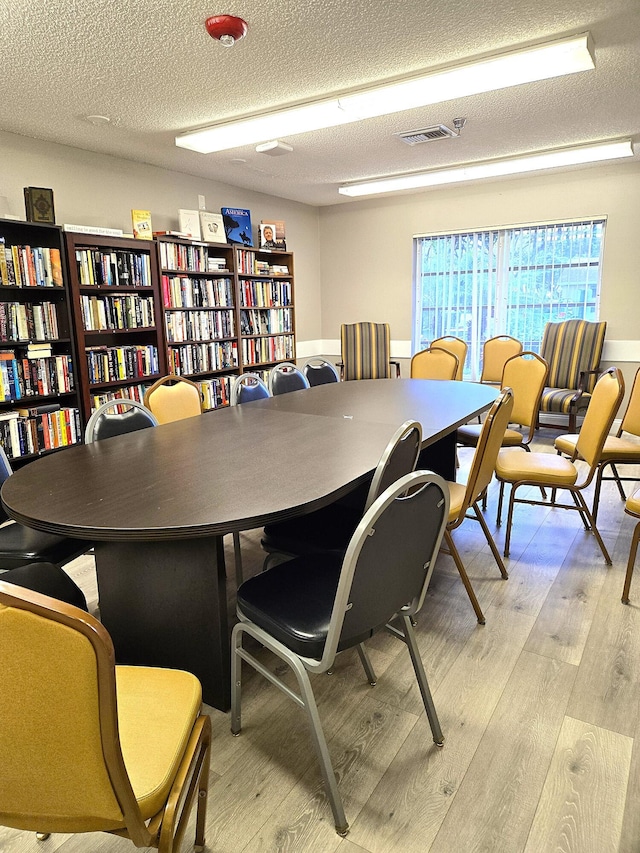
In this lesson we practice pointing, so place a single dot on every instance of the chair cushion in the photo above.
(563, 400)
(632, 505)
(544, 468)
(157, 709)
(616, 449)
(47, 579)
(470, 433)
(293, 602)
(327, 529)
(20, 545)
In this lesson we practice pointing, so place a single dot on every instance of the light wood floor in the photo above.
(539, 708)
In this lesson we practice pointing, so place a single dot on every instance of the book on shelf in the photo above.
(170, 234)
(212, 227)
(237, 225)
(189, 222)
(38, 202)
(272, 234)
(141, 224)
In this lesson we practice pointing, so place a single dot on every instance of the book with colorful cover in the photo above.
(237, 225)
(141, 223)
(212, 227)
(278, 239)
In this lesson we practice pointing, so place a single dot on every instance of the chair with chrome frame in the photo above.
(285, 377)
(246, 388)
(496, 352)
(308, 610)
(455, 345)
(117, 417)
(366, 351)
(121, 749)
(556, 472)
(434, 363)
(173, 398)
(320, 372)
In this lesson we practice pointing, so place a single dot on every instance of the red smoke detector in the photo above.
(227, 29)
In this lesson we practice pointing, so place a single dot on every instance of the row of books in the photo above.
(265, 294)
(133, 392)
(215, 392)
(34, 377)
(189, 258)
(30, 431)
(24, 321)
(199, 325)
(265, 321)
(29, 266)
(269, 268)
(200, 358)
(118, 268)
(113, 364)
(182, 292)
(249, 264)
(260, 350)
(129, 311)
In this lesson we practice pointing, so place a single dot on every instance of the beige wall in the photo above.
(94, 189)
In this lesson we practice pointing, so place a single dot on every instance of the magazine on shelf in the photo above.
(237, 225)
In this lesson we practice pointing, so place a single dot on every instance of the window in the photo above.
(505, 281)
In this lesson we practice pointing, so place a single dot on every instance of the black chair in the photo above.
(129, 416)
(33, 559)
(320, 372)
(246, 388)
(309, 609)
(331, 527)
(286, 377)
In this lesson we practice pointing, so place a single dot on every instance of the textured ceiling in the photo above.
(151, 67)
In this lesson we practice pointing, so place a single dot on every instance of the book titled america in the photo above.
(237, 225)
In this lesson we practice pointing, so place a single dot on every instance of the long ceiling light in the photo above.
(611, 150)
(538, 62)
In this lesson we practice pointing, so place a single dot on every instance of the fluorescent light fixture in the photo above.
(538, 62)
(611, 150)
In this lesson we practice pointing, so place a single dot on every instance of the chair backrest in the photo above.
(173, 398)
(605, 402)
(526, 375)
(320, 372)
(487, 449)
(129, 416)
(631, 419)
(399, 458)
(286, 377)
(455, 345)
(571, 347)
(495, 353)
(390, 558)
(59, 737)
(366, 350)
(434, 363)
(248, 387)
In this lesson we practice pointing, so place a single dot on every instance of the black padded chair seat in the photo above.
(326, 529)
(48, 579)
(20, 545)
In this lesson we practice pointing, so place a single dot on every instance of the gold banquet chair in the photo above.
(173, 398)
(556, 472)
(632, 508)
(623, 448)
(455, 345)
(120, 749)
(495, 354)
(434, 363)
(366, 351)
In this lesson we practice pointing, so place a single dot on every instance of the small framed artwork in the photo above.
(38, 202)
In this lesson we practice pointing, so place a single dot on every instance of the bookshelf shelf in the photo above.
(115, 291)
(39, 396)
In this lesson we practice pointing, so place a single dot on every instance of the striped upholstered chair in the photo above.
(572, 349)
(366, 351)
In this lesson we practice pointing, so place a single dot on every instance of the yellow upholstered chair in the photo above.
(556, 472)
(366, 351)
(572, 349)
(88, 746)
(623, 448)
(464, 498)
(495, 353)
(173, 398)
(455, 345)
(632, 507)
(434, 363)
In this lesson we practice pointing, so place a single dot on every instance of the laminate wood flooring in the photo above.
(540, 709)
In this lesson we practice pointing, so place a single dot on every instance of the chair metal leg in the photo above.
(500, 498)
(464, 576)
(366, 664)
(421, 676)
(236, 683)
(585, 520)
(595, 530)
(631, 563)
(237, 554)
(616, 477)
(490, 541)
(507, 538)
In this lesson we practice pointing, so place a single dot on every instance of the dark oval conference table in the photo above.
(157, 502)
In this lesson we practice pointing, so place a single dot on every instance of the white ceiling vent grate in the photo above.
(427, 134)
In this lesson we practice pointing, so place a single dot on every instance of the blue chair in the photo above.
(286, 377)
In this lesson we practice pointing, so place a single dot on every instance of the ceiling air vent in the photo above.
(427, 134)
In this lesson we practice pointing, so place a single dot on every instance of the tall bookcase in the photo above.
(117, 314)
(200, 311)
(39, 398)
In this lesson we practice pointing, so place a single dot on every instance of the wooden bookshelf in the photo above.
(39, 381)
(200, 313)
(117, 316)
